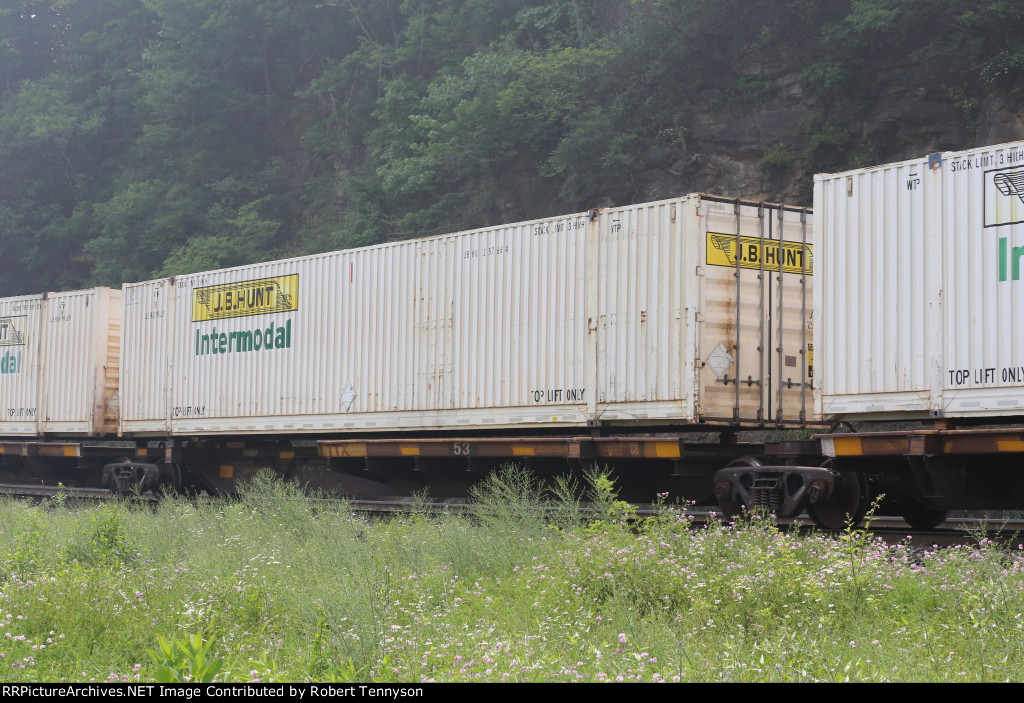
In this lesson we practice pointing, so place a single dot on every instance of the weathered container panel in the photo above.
(20, 325)
(146, 372)
(62, 361)
(648, 259)
(982, 208)
(918, 300)
(577, 321)
(754, 361)
(80, 341)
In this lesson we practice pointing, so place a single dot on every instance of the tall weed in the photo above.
(277, 588)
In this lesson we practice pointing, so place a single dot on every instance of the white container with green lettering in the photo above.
(615, 317)
(921, 291)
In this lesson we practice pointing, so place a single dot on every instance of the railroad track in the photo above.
(953, 531)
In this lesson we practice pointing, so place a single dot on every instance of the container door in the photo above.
(754, 360)
(791, 317)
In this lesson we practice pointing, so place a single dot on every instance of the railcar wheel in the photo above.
(170, 478)
(920, 516)
(847, 505)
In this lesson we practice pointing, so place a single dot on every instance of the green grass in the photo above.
(273, 587)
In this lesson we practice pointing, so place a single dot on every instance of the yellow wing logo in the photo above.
(12, 331)
(1010, 183)
(724, 244)
(755, 253)
(260, 296)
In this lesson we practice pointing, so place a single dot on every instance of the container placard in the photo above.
(794, 257)
(259, 296)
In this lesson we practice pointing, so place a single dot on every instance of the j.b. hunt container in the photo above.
(620, 316)
(59, 363)
(921, 286)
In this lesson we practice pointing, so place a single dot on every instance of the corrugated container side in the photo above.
(79, 388)
(919, 309)
(568, 321)
(472, 329)
(648, 272)
(20, 324)
(982, 206)
(879, 247)
(145, 366)
(66, 378)
(518, 325)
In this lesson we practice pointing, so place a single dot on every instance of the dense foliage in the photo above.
(152, 137)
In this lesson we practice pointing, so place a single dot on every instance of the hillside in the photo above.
(153, 137)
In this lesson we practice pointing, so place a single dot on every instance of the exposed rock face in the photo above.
(766, 139)
(725, 147)
(1001, 118)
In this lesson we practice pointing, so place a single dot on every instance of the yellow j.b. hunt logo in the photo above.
(260, 296)
(754, 252)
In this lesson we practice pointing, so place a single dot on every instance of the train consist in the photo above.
(652, 337)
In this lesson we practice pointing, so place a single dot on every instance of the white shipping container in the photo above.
(921, 295)
(59, 363)
(20, 321)
(620, 316)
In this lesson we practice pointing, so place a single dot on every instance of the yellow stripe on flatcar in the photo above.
(847, 446)
(409, 451)
(523, 451)
(666, 450)
(1010, 445)
(286, 455)
(71, 450)
(356, 449)
(227, 471)
(140, 451)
